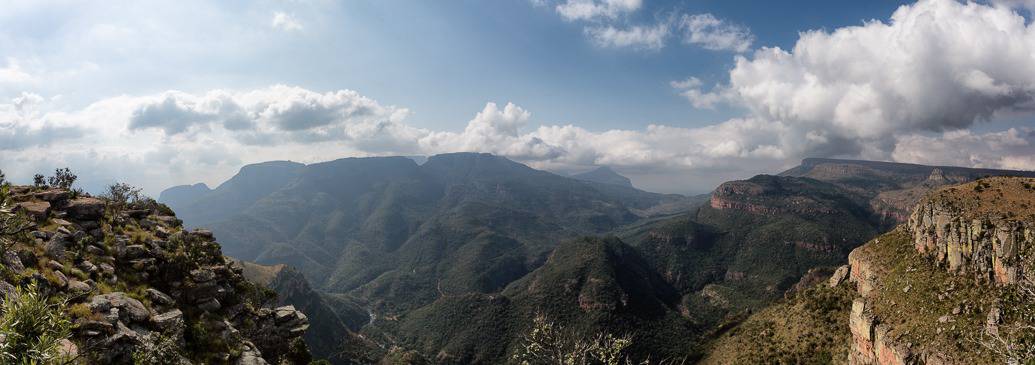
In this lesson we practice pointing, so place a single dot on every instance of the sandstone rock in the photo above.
(67, 349)
(134, 310)
(168, 320)
(55, 247)
(209, 305)
(38, 211)
(839, 276)
(203, 233)
(250, 356)
(133, 252)
(88, 267)
(78, 287)
(107, 269)
(992, 321)
(202, 275)
(12, 261)
(7, 291)
(60, 280)
(53, 195)
(158, 297)
(96, 251)
(85, 209)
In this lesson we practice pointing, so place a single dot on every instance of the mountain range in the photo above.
(450, 259)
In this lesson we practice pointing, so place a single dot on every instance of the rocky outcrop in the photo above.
(987, 247)
(131, 274)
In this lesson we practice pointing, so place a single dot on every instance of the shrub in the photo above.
(32, 328)
(39, 181)
(549, 343)
(63, 178)
(2, 178)
(121, 195)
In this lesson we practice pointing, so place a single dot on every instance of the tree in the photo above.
(63, 178)
(2, 178)
(39, 181)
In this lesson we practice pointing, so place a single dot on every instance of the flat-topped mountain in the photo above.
(892, 188)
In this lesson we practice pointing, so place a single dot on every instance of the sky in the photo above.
(678, 95)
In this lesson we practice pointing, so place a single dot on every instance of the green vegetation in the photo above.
(809, 328)
(32, 326)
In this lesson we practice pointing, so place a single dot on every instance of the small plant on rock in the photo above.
(32, 328)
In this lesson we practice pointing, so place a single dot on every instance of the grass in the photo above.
(809, 328)
(913, 314)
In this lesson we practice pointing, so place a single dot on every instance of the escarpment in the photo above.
(939, 288)
(985, 229)
(136, 286)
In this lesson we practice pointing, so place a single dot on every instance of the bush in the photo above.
(548, 343)
(39, 181)
(63, 178)
(2, 178)
(32, 328)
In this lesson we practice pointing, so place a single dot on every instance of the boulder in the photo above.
(131, 308)
(78, 287)
(53, 195)
(202, 275)
(38, 211)
(158, 297)
(55, 247)
(12, 261)
(85, 209)
(7, 290)
(134, 252)
(168, 320)
(839, 276)
(210, 305)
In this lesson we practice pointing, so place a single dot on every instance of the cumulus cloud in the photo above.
(592, 9)
(643, 37)
(714, 34)
(285, 21)
(935, 66)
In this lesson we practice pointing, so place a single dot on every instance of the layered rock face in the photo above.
(987, 246)
(979, 237)
(134, 279)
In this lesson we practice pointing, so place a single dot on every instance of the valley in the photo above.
(448, 261)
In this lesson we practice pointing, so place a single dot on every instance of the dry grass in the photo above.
(992, 196)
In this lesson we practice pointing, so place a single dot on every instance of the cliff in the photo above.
(136, 285)
(936, 289)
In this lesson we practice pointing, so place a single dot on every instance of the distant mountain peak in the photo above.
(604, 175)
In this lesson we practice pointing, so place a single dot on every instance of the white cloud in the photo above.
(651, 38)
(592, 9)
(284, 21)
(1010, 149)
(714, 34)
(937, 65)
(691, 90)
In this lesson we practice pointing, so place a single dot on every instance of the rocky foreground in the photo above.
(137, 285)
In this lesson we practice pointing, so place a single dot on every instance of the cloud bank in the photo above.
(918, 87)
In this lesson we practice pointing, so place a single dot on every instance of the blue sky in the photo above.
(679, 95)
